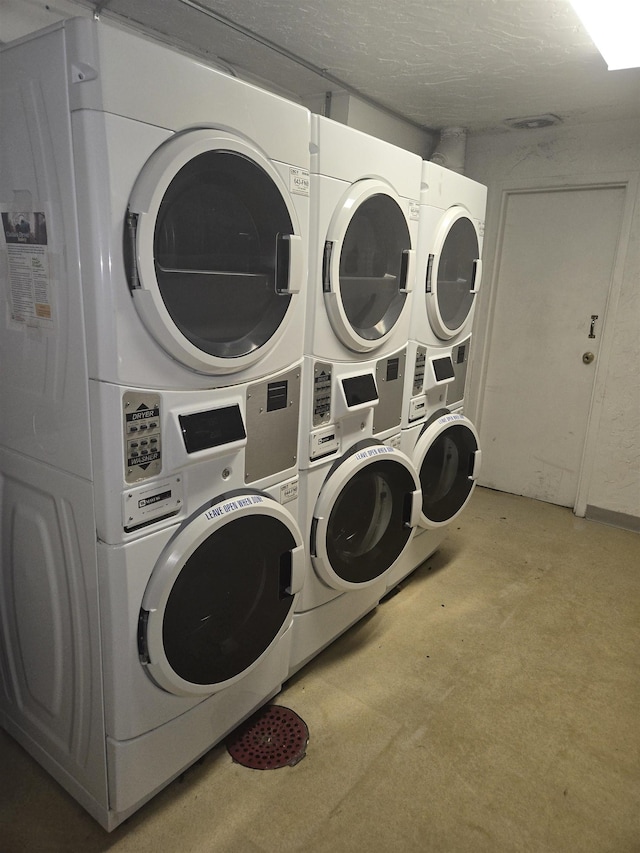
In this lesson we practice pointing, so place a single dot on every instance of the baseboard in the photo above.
(615, 519)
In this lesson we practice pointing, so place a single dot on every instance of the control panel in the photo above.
(359, 390)
(418, 371)
(390, 381)
(460, 358)
(443, 371)
(142, 439)
(321, 394)
(212, 428)
(273, 414)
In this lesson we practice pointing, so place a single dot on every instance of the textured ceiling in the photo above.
(438, 63)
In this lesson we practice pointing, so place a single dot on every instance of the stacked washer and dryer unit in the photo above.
(441, 441)
(359, 494)
(226, 354)
(155, 244)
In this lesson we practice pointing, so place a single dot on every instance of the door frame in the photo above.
(486, 308)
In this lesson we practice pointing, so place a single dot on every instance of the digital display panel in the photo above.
(202, 430)
(360, 389)
(443, 368)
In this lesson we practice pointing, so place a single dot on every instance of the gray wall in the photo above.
(585, 152)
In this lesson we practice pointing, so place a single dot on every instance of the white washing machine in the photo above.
(449, 266)
(137, 637)
(151, 557)
(174, 246)
(445, 450)
(447, 454)
(364, 232)
(359, 495)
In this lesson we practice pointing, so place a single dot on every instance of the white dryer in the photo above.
(175, 234)
(452, 211)
(359, 495)
(165, 618)
(364, 234)
(445, 451)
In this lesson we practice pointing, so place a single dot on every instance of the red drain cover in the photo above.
(273, 737)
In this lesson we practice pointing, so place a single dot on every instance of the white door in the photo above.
(557, 257)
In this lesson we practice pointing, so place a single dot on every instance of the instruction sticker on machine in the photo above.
(373, 451)
(299, 181)
(28, 267)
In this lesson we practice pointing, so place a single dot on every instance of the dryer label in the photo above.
(298, 181)
(288, 491)
(414, 210)
(394, 441)
(154, 499)
(143, 504)
(445, 419)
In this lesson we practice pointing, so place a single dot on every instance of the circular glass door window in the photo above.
(455, 274)
(367, 529)
(446, 473)
(217, 240)
(372, 266)
(229, 600)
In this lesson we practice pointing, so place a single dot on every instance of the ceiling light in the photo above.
(613, 25)
(533, 122)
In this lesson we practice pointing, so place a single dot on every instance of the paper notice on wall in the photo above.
(28, 267)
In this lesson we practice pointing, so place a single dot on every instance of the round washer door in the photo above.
(447, 457)
(367, 266)
(221, 594)
(364, 517)
(453, 274)
(214, 252)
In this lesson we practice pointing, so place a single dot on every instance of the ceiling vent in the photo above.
(533, 122)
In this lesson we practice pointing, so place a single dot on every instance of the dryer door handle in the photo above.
(476, 461)
(297, 569)
(415, 504)
(289, 264)
(476, 276)
(406, 271)
(326, 266)
(428, 280)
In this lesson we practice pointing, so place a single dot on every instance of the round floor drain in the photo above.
(273, 737)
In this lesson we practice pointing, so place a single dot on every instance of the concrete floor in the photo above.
(493, 704)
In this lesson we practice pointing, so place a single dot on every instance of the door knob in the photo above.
(588, 357)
